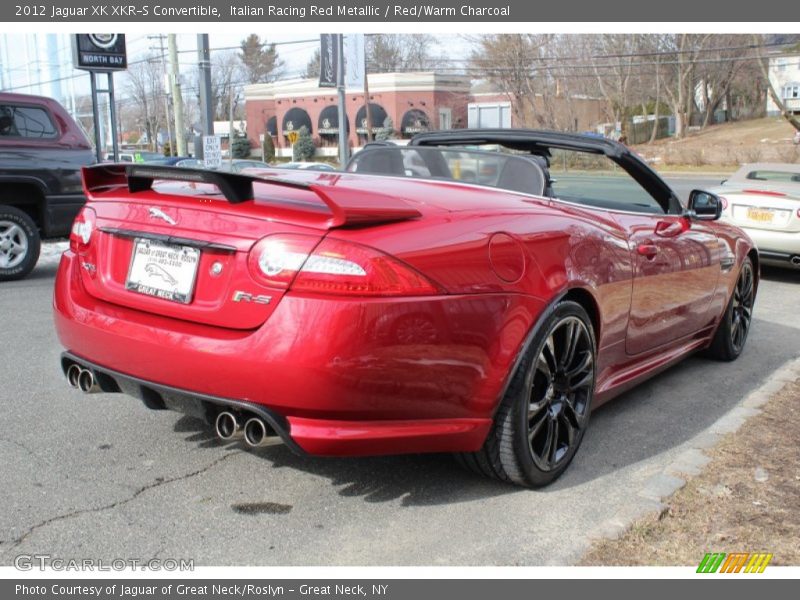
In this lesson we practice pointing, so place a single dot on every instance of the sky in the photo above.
(29, 63)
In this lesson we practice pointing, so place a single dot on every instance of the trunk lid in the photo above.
(176, 242)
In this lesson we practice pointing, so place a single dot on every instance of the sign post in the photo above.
(101, 53)
(292, 137)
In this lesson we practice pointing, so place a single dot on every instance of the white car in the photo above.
(310, 166)
(764, 200)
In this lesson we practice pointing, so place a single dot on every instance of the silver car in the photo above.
(764, 200)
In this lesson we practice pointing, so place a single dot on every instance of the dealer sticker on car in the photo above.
(163, 270)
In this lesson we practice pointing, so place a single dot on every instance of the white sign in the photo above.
(354, 62)
(212, 152)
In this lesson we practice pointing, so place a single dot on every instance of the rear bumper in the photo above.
(336, 376)
(775, 246)
(302, 436)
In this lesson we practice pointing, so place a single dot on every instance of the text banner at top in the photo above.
(322, 11)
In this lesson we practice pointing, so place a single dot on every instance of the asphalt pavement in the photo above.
(101, 476)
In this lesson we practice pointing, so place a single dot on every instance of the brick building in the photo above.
(413, 102)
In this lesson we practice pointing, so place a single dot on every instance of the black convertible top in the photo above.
(539, 142)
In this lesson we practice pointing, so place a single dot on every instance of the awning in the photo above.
(294, 119)
(272, 126)
(415, 121)
(376, 113)
(328, 123)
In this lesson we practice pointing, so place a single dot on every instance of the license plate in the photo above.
(760, 215)
(163, 270)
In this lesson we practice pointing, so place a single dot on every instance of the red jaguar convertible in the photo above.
(476, 292)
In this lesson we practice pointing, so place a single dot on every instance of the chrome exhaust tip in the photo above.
(228, 427)
(87, 382)
(73, 376)
(258, 434)
(796, 261)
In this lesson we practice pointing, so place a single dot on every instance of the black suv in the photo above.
(42, 151)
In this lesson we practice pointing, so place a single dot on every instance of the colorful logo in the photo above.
(736, 562)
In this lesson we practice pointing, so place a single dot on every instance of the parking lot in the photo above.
(101, 476)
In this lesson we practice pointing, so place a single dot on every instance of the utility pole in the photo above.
(230, 128)
(177, 99)
(206, 110)
(342, 109)
(366, 98)
(160, 37)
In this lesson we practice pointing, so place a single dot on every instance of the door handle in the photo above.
(672, 228)
(649, 251)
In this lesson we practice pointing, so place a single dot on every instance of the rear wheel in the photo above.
(732, 331)
(542, 418)
(19, 243)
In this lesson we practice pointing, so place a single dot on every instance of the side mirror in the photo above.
(704, 206)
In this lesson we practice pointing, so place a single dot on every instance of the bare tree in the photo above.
(388, 53)
(683, 53)
(513, 63)
(776, 99)
(145, 86)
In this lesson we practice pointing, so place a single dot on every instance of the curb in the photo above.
(649, 500)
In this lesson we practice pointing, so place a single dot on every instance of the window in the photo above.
(445, 118)
(26, 122)
(596, 180)
(779, 176)
(781, 64)
(791, 90)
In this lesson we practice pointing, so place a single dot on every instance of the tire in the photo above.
(731, 334)
(543, 416)
(19, 243)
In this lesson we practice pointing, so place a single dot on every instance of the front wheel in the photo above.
(19, 243)
(542, 418)
(732, 331)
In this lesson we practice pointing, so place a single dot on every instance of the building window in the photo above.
(445, 118)
(781, 64)
(790, 91)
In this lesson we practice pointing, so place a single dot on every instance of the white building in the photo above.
(784, 74)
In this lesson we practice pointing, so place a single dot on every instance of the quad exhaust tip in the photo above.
(82, 379)
(73, 376)
(258, 434)
(228, 427)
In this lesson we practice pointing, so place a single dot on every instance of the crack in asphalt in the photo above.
(75, 513)
(24, 447)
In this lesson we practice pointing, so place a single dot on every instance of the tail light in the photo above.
(724, 202)
(82, 229)
(334, 267)
(765, 193)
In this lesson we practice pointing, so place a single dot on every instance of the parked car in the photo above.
(236, 166)
(764, 200)
(169, 161)
(42, 150)
(311, 166)
(136, 156)
(376, 312)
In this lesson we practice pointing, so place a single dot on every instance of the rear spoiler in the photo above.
(347, 206)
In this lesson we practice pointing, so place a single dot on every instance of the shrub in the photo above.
(268, 148)
(240, 147)
(388, 132)
(304, 148)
